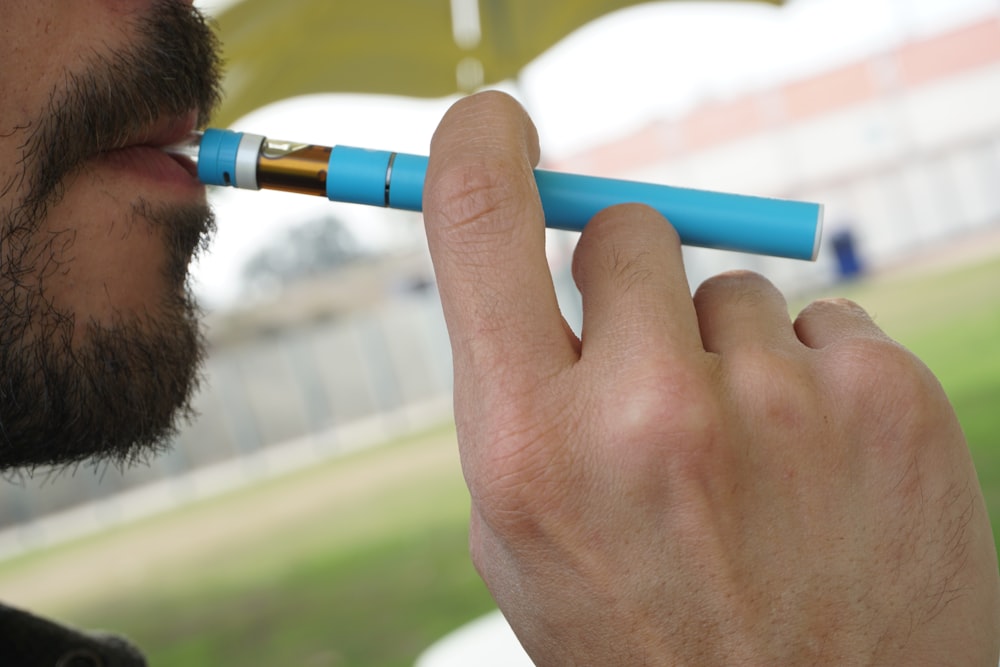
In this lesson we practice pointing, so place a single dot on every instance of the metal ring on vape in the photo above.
(388, 177)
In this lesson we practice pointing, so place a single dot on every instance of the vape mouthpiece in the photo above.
(189, 147)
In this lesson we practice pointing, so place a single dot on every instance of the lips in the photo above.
(169, 130)
(140, 155)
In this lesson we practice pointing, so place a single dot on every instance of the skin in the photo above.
(93, 286)
(99, 343)
(695, 481)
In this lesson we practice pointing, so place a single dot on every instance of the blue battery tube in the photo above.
(779, 227)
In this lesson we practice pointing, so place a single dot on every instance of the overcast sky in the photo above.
(607, 79)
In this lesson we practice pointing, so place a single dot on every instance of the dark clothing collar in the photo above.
(29, 641)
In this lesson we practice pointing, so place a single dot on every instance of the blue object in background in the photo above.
(845, 247)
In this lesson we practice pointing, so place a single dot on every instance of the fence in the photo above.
(266, 405)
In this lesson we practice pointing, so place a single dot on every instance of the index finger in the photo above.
(486, 233)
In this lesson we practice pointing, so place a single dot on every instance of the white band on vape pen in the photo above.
(819, 232)
(246, 161)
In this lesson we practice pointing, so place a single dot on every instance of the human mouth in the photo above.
(141, 155)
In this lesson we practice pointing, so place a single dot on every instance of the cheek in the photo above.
(40, 42)
(44, 39)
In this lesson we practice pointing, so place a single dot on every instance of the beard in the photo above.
(117, 392)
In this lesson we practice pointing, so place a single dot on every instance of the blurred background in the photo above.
(314, 512)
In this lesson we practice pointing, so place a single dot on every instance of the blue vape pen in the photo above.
(759, 225)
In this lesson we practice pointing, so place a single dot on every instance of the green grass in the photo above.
(379, 603)
(370, 581)
(374, 573)
(371, 573)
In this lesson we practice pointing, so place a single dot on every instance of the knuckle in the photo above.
(890, 392)
(662, 421)
(623, 268)
(470, 195)
(737, 278)
(612, 246)
(771, 385)
(486, 102)
(834, 304)
(873, 364)
(748, 287)
(621, 219)
(833, 309)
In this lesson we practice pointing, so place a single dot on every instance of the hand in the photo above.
(696, 481)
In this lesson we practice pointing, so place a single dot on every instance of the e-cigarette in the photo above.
(779, 227)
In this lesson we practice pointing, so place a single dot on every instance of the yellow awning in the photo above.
(420, 48)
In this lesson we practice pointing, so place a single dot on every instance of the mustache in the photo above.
(172, 69)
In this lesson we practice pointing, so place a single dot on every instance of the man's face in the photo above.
(99, 342)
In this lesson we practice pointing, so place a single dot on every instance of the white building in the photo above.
(903, 147)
